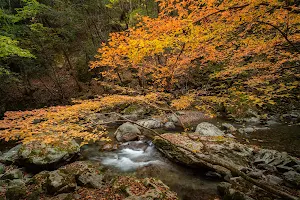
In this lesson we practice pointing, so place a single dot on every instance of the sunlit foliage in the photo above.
(255, 41)
(63, 123)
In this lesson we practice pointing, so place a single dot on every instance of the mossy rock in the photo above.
(17, 192)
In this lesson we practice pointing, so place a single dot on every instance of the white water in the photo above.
(133, 155)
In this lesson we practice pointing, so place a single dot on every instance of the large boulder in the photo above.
(127, 132)
(10, 156)
(40, 156)
(222, 149)
(208, 129)
(148, 188)
(69, 177)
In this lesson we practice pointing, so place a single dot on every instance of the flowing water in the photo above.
(140, 158)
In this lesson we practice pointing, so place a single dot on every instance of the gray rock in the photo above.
(208, 129)
(267, 167)
(169, 126)
(15, 192)
(256, 174)
(90, 179)
(11, 156)
(127, 132)
(229, 127)
(246, 130)
(12, 174)
(274, 180)
(58, 182)
(46, 156)
(151, 123)
(293, 178)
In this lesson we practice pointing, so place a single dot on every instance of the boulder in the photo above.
(59, 182)
(147, 188)
(10, 156)
(222, 149)
(293, 178)
(40, 156)
(208, 129)
(68, 178)
(127, 132)
(12, 174)
(169, 126)
(151, 123)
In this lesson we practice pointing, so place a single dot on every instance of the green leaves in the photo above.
(9, 47)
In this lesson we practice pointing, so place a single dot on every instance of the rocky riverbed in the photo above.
(139, 165)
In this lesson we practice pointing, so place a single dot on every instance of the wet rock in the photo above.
(127, 132)
(208, 129)
(151, 123)
(274, 180)
(12, 174)
(109, 147)
(11, 156)
(293, 178)
(228, 127)
(169, 126)
(43, 156)
(246, 130)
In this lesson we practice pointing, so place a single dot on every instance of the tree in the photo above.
(254, 42)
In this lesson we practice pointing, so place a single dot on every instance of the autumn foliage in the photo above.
(250, 48)
(60, 124)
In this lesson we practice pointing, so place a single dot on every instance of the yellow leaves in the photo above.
(183, 102)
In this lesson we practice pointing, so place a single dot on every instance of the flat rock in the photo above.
(44, 156)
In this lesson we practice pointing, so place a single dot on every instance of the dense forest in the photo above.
(149, 99)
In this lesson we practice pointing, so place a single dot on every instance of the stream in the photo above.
(140, 158)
